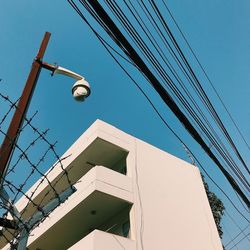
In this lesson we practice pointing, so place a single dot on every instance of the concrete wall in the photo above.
(171, 207)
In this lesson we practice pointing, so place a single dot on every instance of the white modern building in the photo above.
(129, 195)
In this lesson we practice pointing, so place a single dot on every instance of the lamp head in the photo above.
(81, 90)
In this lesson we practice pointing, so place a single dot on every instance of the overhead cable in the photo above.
(125, 45)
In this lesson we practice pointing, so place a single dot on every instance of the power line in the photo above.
(174, 133)
(225, 230)
(206, 75)
(239, 241)
(98, 36)
(121, 44)
(209, 104)
(127, 25)
(235, 223)
(163, 93)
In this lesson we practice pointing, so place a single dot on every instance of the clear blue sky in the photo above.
(219, 32)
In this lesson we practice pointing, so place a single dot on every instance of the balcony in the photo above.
(98, 240)
(78, 162)
(101, 195)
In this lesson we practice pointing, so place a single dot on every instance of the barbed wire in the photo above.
(26, 168)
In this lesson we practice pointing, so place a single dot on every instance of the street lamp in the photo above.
(80, 90)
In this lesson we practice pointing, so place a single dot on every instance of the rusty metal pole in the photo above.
(8, 145)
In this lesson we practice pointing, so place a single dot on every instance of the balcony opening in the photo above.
(120, 166)
(99, 153)
(106, 154)
(118, 224)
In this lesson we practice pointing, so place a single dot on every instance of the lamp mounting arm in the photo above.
(55, 69)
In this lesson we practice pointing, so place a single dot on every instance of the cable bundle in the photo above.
(156, 54)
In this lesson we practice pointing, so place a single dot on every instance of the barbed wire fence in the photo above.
(33, 154)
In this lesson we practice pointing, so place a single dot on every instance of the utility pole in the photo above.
(8, 145)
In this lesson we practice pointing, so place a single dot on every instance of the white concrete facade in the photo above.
(129, 195)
